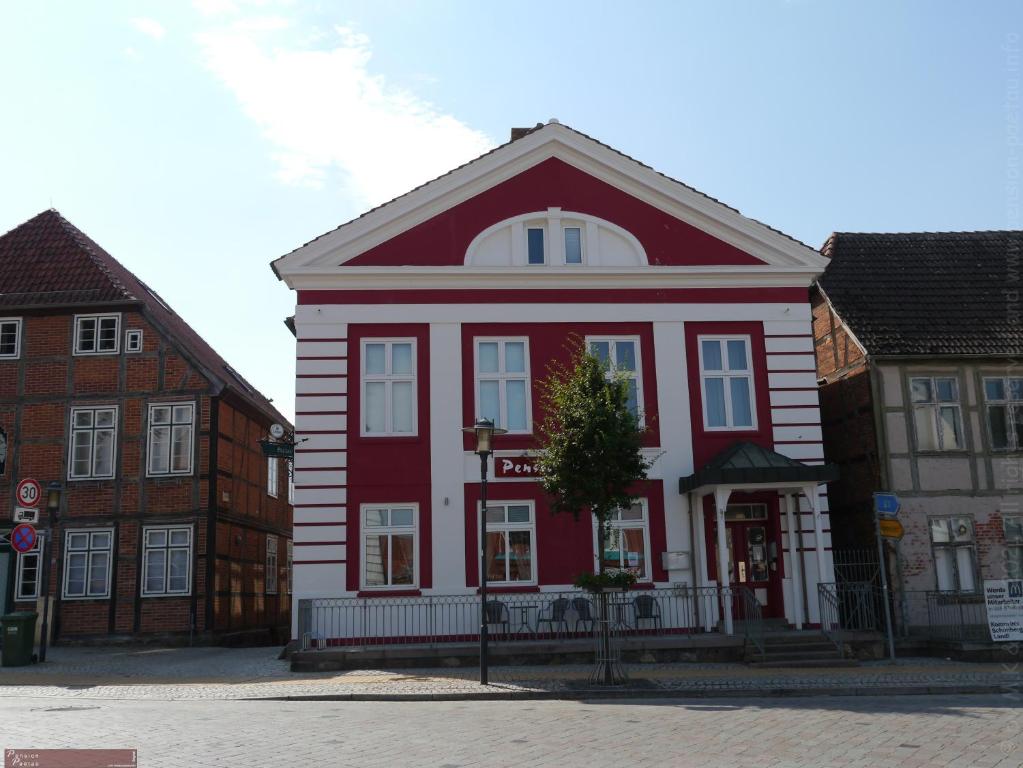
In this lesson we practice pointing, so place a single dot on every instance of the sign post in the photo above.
(886, 504)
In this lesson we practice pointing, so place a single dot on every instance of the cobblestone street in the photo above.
(862, 732)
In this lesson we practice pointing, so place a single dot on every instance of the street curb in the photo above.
(578, 694)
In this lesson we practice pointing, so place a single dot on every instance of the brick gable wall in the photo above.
(37, 393)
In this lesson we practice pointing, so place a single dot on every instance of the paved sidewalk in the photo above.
(256, 673)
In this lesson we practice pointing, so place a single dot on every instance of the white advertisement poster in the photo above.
(1004, 598)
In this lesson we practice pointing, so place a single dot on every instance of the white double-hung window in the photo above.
(10, 337)
(26, 586)
(726, 381)
(511, 543)
(166, 560)
(1003, 398)
(271, 565)
(955, 554)
(97, 334)
(87, 559)
(502, 383)
(936, 414)
(389, 535)
(171, 431)
(620, 356)
(93, 442)
(627, 545)
(388, 387)
(1013, 546)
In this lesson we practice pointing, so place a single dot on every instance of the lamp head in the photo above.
(53, 491)
(485, 432)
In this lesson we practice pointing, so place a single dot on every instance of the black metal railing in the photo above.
(435, 619)
(925, 614)
(850, 607)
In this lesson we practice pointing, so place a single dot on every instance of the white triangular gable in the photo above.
(782, 255)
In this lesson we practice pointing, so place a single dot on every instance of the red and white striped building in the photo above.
(449, 303)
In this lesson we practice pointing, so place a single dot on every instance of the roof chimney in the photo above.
(518, 133)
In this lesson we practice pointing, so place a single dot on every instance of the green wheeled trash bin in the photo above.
(19, 633)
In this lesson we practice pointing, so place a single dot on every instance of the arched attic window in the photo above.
(555, 238)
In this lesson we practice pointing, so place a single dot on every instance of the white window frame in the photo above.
(1014, 440)
(90, 552)
(35, 552)
(507, 528)
(502, 377)
(270, 576)
(390, 530)
(612, 369)
(542, 227)
(952, 545)
(1012, 545)
(567, 224)
(17, 337)
(647, 575)
(273, 477)
(388, 379)
(146, 549)
(150, 453)
(98, 317)
(133, 340)
(935, 405)
(92, 449)
(727, 375)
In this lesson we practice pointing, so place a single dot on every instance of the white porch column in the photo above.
(795, 559)
(810, 491)
(724, 577)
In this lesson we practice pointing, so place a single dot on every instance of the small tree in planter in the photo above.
(590, 457)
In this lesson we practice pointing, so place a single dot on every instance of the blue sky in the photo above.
(197, 141)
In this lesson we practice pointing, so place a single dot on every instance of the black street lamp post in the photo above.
(53, 491)
(485, 431)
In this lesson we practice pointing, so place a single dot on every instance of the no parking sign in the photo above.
(23, 537)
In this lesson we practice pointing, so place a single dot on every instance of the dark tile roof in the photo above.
(744, 462)
(47, 262)
(928, 293)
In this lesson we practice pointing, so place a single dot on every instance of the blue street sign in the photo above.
(887, 504)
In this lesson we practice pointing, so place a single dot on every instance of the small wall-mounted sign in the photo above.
(515, 466)
(26, 515)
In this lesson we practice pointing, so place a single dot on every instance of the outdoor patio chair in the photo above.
(497, 615)
(583, 612)
(645, 608)
(555, 614)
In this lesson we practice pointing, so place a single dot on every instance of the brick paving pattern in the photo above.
(219, 673)
(863, 732)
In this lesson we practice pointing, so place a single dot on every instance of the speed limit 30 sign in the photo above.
(29, 493)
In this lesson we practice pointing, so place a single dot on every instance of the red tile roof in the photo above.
(49, 262)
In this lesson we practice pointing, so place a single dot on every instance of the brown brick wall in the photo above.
(847, 421)
(36, 394)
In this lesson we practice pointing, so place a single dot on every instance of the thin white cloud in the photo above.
(327, 115)
(149, 27)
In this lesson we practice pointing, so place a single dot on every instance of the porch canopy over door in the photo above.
(745, 466)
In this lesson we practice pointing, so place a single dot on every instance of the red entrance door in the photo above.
(753, 560)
